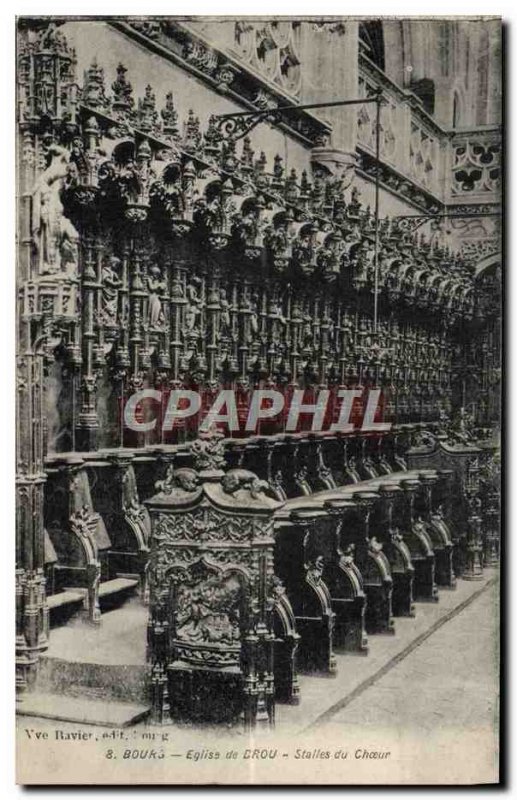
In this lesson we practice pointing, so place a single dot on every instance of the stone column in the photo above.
(88, 422)
(31, 609)
(42, 164)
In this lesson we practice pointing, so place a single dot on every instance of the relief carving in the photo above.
(208, 611)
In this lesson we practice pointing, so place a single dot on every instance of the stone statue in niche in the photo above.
(253, 318)
(156, 286)
(225, 319)
(56, 239)
(193, 308)
(331, 333)
(275, 311)
(111, 284)
(307, 332)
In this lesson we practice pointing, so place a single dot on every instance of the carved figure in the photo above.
(209, 612)
(193, 309)
(156, 285)
(236, 479)
(56, 239)
(184, 479)
(111, 283)
(225, 320)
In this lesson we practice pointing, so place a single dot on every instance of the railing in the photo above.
(411, 142)
(453, 166)
(475, 165)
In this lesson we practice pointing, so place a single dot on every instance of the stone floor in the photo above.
(119, 639)
(441, 700)
(448, 680)
(356, 673)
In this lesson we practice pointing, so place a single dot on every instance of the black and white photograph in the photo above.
(259, 332)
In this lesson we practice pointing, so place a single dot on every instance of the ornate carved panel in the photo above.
(211, 580)
(476, 164)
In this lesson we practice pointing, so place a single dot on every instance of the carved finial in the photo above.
(278, 169)
(228, 157)
(261, 179)
(122, 91)
(93, 94)
(147, 114)
(192, 134)
(247, 155)
(278, 173)
(330, 191)
(291, 187)
(169, 116)
(354, 206)
(305, 185)
(260, 163)
(208, 453)
(212, 138)
(54, 40)
(367, 223)
(385, 227)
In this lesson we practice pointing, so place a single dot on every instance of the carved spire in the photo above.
(212, 138)
(169, 116)
(94, 93)
(147, 115)
(192, 134)
(46, 71)
(278, 173)
(54, 41)
(291, 187)
(260, 164)
(247, 156)
(317, 192)
(305, 185)
(228, 157)
(123, 100)
(261, 178)
(328, 202)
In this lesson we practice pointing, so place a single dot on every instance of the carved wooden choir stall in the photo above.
(159, 253)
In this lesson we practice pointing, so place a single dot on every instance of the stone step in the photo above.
(96, 661)
(82, 710)
(113, 682)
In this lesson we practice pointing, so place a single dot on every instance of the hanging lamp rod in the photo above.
(452, 215)
(304, 107)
